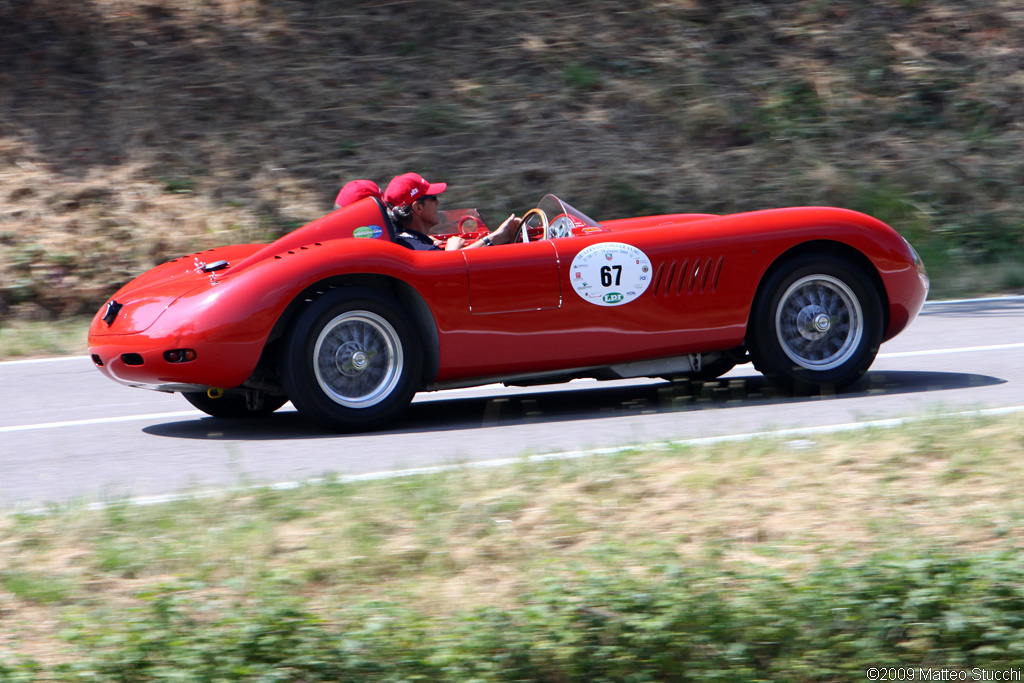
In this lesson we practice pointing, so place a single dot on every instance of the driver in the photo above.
(414, 205)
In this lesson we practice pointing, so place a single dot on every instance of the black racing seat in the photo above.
(389, 224)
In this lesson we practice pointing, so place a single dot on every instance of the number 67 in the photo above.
(606, 275)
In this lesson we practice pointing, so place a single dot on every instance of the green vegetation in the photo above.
(130, 136)
(681, 625)
(23, 338)
(769, 560)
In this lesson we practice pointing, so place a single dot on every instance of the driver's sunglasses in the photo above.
(429, 196)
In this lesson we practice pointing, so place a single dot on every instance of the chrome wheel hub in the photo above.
(358, 359)
(819, 322)
(351, 359)
(813, 322)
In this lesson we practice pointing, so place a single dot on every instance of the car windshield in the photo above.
(459, 221)
(563, 220)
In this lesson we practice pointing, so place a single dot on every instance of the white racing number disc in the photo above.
(610, 273)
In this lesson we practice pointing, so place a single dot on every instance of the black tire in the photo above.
(816, 324)
(232, 405)
(350, 362)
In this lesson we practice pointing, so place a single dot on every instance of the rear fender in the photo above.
(410, 300)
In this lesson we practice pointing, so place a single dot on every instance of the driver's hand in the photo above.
(454, 243)
(506, 232)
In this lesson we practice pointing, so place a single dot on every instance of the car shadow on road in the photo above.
(566, 403)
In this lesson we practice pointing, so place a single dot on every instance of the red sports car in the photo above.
(349, 325)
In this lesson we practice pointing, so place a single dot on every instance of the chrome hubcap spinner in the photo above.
(819, 322)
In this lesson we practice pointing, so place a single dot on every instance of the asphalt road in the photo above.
(68, 433)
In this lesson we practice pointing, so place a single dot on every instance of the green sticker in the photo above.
(368, 232)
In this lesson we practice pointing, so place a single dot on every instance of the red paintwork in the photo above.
(501, 311)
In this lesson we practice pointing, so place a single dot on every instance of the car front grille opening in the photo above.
(131, 359)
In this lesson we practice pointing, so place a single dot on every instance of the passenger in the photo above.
(355, 190)
(414, 206)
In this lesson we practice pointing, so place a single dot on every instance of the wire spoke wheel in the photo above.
(358, 359)
(819, 322)
(816, 323)
(351, 361)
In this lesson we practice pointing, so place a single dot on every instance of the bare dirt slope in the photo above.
(134, 131)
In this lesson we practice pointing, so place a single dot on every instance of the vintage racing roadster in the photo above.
(348, 325)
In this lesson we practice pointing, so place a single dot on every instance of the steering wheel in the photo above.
(524, 234)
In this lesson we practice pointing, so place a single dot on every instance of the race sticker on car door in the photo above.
(610, 273)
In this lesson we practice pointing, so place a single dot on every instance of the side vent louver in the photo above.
(699, 276)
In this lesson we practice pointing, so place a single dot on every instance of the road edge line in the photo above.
(549, 457)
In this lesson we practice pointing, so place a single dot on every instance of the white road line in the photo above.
(939, 352)
(436, 396)
(101, 420)
(571, 455)
(901, 354)
(1008, 297)
(32, 361)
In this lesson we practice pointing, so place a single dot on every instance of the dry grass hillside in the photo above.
(134, 131)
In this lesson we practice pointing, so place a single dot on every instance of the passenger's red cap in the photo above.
(357, 189)
(407, 188)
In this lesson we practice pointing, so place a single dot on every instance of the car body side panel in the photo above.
(580, 334)
(706, 276)
(527, 318)
(527, 282)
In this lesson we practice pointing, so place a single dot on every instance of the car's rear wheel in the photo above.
(233, 405)
(350, 362)
(816, 325)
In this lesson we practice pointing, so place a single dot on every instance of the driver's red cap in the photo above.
(357, 189)
(407, 188)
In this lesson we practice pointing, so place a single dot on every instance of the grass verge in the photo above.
(39, 338)
(790, 560)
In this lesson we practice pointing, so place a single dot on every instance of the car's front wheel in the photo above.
(350, 362)
(817, 324)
